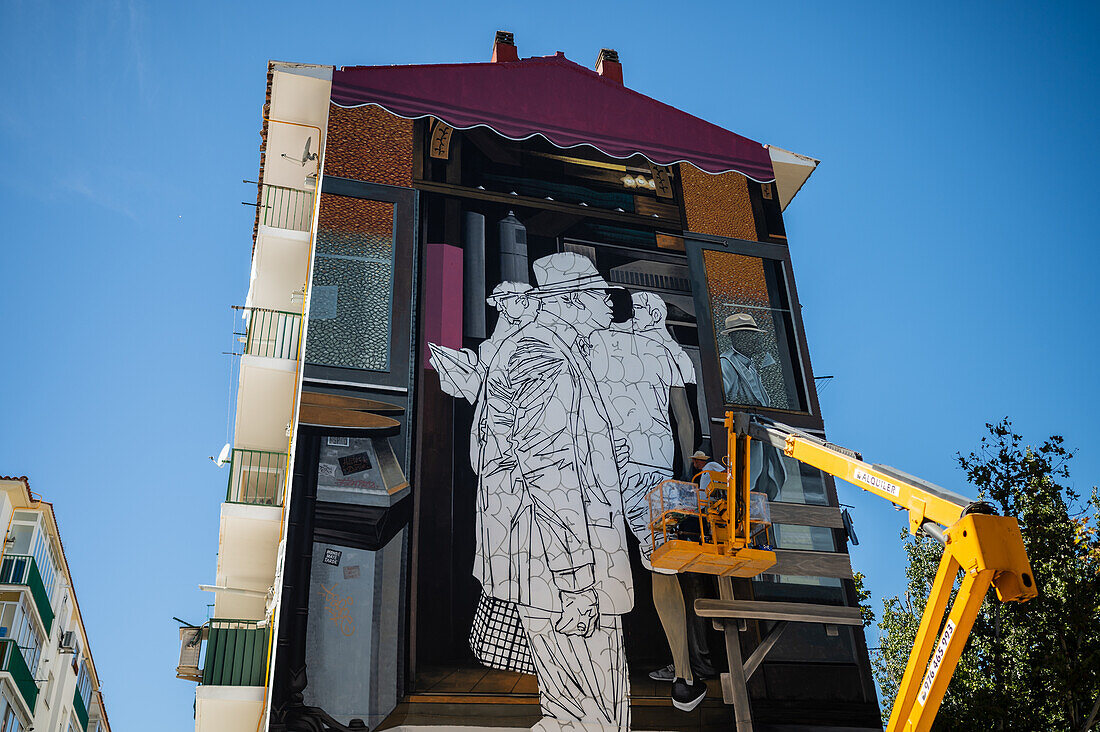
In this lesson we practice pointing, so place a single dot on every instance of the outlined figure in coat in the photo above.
(551, 535)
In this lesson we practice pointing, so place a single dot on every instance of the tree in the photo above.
(1027, 666)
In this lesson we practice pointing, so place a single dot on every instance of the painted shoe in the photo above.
(668, 673)
(685, 696)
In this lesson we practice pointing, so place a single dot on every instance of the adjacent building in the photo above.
(48, 680)
(392, 200)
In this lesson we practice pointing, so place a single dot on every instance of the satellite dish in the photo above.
(223, 456)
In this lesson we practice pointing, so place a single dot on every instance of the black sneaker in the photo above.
(686, 697)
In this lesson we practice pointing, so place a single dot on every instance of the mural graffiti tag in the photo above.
(339, 609)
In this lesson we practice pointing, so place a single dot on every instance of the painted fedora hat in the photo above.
(740, 322)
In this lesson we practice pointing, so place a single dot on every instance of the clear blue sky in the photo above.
(944, 250)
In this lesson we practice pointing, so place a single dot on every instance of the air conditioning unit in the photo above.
(68, 638)
(190, 646)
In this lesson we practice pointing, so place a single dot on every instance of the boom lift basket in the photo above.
(690, 532)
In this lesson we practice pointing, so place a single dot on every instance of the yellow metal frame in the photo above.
(729, 551)
(987, 549)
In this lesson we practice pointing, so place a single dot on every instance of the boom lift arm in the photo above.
(988, 548)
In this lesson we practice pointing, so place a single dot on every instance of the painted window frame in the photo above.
(695, 245)
(402, 295)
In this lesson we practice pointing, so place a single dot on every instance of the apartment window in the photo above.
(84, 684)
(10, 722)
(16, 623)
(31, 538)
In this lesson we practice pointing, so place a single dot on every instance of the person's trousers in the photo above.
(583, 682)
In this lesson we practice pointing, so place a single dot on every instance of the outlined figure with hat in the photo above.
(550, 532)
(741, 381)
(463, 371)
(642, 373)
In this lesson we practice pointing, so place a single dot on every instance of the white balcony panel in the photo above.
(279, 269)
(295, 129)
(301, 97)
(264, 408)
(247, 548)
(228, 708)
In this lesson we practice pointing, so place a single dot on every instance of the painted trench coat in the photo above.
(549, 504)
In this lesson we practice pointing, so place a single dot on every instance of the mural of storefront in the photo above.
(533, 294)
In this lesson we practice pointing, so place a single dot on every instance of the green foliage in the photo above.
(863, 595)
(1027, 666)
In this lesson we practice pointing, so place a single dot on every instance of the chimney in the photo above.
(608, 66)
(504, 48)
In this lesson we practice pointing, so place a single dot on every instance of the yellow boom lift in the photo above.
(716, 527)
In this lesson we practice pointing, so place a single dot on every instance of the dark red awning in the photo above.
(551, 96)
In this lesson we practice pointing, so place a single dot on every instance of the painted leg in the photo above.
(583, 682)
(668, 598)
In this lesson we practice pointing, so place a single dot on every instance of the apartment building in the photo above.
(48, 680)
(392, 202)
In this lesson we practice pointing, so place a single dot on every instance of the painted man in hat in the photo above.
(551, 537)
(741, 384)
(740, 380)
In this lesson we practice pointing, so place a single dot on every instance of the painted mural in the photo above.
(571, 431)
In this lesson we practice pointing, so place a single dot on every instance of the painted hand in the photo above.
(579, 613)
(622, 453)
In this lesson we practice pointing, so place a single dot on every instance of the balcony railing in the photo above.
(21, 569)
(236, 654)
(256, 477)
(286, 208)
(11, 660)
(272, 334)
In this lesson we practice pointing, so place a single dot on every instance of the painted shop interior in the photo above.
(48, 680)
(391, 202)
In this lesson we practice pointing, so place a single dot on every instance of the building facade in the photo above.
(420, 235)
(48, 680)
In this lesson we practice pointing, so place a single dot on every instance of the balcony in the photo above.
(21, 569)
(11, 662)
(81, 709)
(236, 654)
(256, 477)
(286, 208)
(273, 334)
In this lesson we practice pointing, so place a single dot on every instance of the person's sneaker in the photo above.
(668, 673)
(686, 697)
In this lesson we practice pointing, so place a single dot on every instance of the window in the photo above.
(747, 327)
(16, 624)
(84, 683)
(10, 721)
(32, 538)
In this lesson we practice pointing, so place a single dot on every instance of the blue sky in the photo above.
(944, 250)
